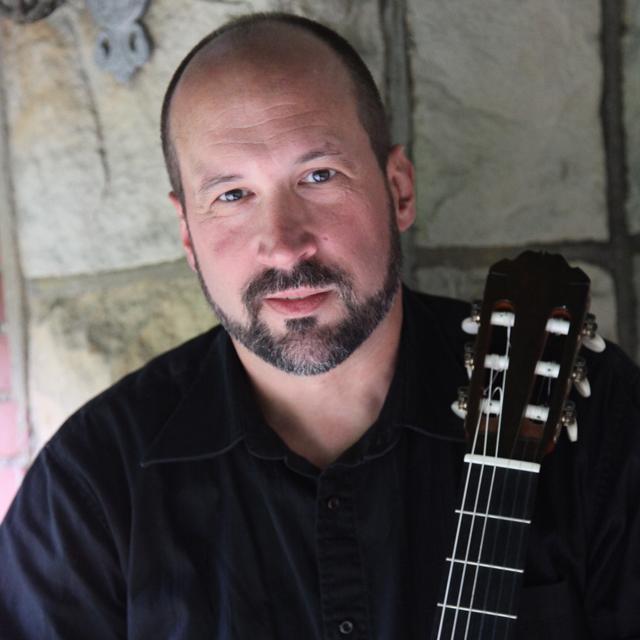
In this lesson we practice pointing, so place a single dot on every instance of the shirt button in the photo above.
(345, 627)
(333, 503)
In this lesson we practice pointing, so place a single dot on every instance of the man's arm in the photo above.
(60, 576)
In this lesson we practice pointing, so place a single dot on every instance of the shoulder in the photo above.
(125, 418)
(437, 319)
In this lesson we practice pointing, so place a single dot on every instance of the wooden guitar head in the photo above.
(530, 325)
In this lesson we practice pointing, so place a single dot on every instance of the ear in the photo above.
(400, 178)
(185, 235)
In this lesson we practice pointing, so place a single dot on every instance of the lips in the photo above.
(293, 304)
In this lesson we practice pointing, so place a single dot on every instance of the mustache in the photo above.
(305, 274)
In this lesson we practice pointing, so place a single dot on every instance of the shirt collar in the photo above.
(218, 408)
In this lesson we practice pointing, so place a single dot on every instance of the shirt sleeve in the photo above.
(60, 576)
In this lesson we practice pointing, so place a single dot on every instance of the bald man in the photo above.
(293, 473)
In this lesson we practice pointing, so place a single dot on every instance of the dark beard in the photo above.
(306, 348)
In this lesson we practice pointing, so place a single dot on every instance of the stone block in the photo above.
(89, 179)
(358, 22)
(507, 144)
(631, 88)
(86, 333)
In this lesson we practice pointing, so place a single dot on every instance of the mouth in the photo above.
(296, 303)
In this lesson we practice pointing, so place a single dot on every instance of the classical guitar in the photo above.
(529, 327)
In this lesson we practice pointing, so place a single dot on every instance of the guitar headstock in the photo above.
(523, 362)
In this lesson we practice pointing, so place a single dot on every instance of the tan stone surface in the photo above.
(358, 22)
(631, 88)
(84, 334)
(507, 141)
(89, 179)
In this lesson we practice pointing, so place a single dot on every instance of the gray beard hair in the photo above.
(306, 349)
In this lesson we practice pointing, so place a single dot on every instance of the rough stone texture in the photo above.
(90, 184)
(631, 53)
(86, 333)
(358, 22)
(469, 285)
(508, 145)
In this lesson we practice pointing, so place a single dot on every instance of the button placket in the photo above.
(343, 590)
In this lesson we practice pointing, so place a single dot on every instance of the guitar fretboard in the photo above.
(485, 567)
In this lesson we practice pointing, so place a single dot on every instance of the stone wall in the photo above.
(514, 114)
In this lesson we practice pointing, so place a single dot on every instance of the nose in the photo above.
(285, 238)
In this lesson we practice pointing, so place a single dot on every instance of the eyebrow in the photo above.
(213, 181)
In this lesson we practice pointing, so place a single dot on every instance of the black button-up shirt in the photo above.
(167, 508)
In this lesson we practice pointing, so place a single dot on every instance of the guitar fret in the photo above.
(498, 614)
(492, 515)
(484, 565)
(505, 463)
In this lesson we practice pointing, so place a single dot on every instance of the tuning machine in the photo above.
(469, 353)
(461, 404)
(568, 420)
(590, 337)
(579, 377)
(471, 324)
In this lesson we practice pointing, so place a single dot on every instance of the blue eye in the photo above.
(233, 195)
(319, 175)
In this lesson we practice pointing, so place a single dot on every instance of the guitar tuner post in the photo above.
(590, 326)
(568, 420)
(579, 370)
(590, 337)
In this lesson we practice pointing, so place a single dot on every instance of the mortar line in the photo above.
(612, 116)
(14, 290)
(399, 101)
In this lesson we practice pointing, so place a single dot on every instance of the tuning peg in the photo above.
(468, 357)
(472, 323)
(579, 377)
(460, 405)
(568, 420)
(590, 337)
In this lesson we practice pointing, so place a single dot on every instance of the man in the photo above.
(294, 475)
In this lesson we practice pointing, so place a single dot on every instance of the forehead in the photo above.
(278, 75)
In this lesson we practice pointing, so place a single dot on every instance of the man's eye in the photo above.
(233, 195)
(319, 175)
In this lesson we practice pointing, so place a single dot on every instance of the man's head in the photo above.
(288, 213)
(369, 103)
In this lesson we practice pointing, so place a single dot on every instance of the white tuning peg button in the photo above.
(472, 323)
(568, 420)
(583, 387)
(470, 326)
(590, 337)
(572, 430)
(458, 410)
(595, 343)
(460, 404)
(579, 377)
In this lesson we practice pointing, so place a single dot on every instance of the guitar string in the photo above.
(445, 600)
(502, 390)
(530, 451)
(465, 562)
(506, 593)
(458, 528)
(475, 570)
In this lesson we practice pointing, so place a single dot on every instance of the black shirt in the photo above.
(166, 508)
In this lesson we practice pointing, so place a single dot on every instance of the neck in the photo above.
(321, 416)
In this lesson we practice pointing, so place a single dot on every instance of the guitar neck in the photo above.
(484, 569)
